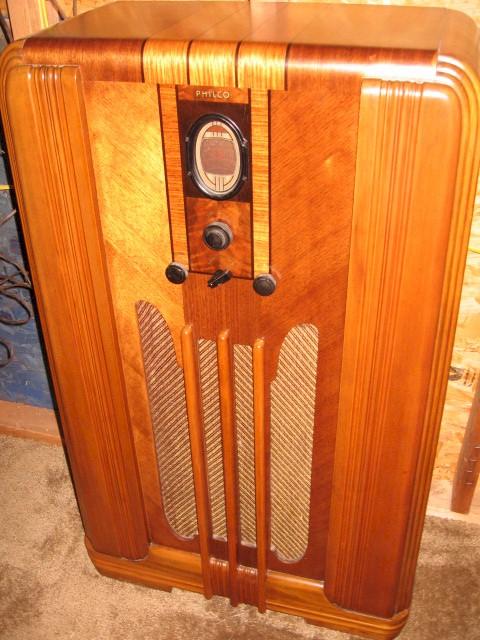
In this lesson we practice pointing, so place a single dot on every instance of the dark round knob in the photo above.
(217, 236)
(265, 284)
(176, 273)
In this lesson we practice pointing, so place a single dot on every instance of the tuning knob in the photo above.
(217, 236)
(176, 273)
(265, 284)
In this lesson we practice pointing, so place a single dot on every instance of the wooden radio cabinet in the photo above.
(247, 227)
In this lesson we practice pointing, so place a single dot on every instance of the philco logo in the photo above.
(212, 94)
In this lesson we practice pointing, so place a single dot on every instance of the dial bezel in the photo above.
(192, 170)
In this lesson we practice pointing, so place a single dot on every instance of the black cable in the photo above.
(11, 284)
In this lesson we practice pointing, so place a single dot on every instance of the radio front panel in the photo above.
(255, 246)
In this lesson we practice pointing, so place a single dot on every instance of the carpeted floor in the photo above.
(49, 589)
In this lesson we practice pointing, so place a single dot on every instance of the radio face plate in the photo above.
(217, 156)
(216, 150)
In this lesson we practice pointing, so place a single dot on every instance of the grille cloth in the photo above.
(168, 410)
(292, 425)
(242, 358)
(207, 351)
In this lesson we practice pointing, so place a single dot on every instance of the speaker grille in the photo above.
(242, 359)
(207, 352)
(166, 393)
(292, 427)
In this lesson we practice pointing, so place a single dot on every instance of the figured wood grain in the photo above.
(165, 567)
(173, 173)
(165, 61)
(54, 176)
(404, 272)
(236, 258)
(137, 241)
(229, 446)
(395, 36)
(105, 59)
(261, 66)
(212, 63)
(324, 163)
(259, 114)
(397, 265)
(197, 444)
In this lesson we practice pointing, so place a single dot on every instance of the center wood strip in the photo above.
(260, 468)
(197, 441)
(225, 375)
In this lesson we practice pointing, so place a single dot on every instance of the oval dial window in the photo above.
(216, 157)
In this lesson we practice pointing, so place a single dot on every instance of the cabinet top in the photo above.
(118, 29)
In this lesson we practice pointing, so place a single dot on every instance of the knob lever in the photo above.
(219, 277)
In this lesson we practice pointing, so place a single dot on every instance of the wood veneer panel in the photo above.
(173, 172)
(259, 115)
(59, 213)
(212, 63)
(237, 258)
(102, 59)
(409, 139)
(135, 229)
(310, 289)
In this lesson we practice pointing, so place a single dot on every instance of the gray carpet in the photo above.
(49, 589)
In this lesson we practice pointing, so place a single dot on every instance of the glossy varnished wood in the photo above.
(364, 156)
(68, 266)
(394, 254)
(197, 443)
(131, 220)
(237, 258)
(165, 568)
(229, 447)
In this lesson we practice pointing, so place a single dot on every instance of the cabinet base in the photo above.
(165, 568)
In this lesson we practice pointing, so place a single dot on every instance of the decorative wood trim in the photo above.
(394, 256)
(259, 114)
(54, 177)
(212, 63)
(165, 568)
(165, 61)
(465, 85)
(261, 66)
(261, 480)
(26, 421)
(229, 448)
(173, 174)
(197, 444)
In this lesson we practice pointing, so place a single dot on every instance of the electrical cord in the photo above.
(15, 278)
